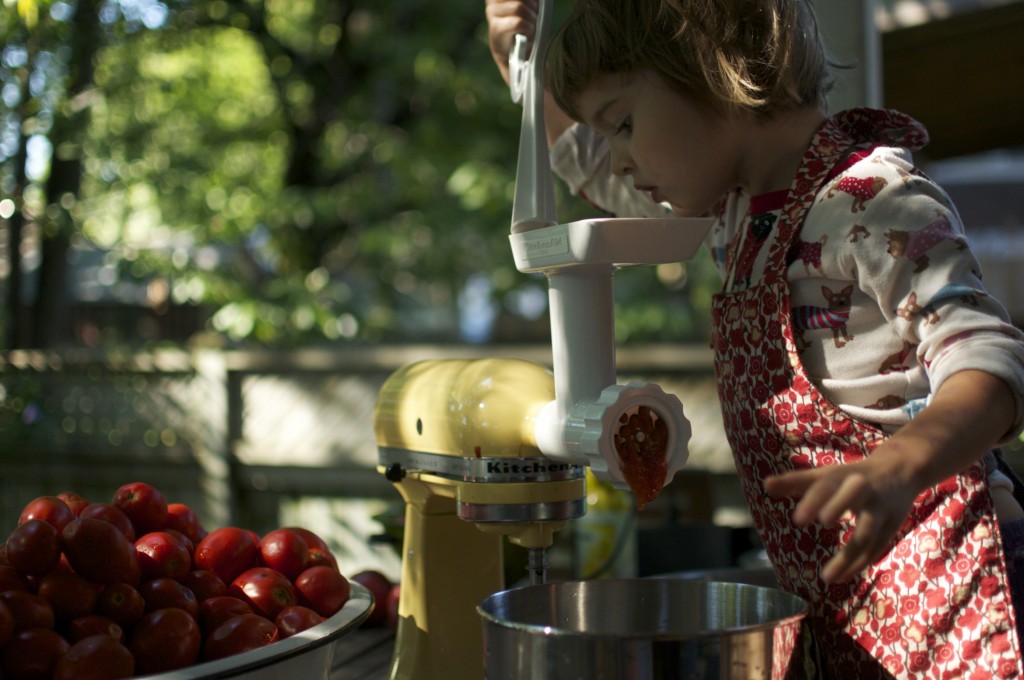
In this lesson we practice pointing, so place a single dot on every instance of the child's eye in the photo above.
(625, 126)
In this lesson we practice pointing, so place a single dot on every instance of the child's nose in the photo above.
(619, 159)
(621, 164)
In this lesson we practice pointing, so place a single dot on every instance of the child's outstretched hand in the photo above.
(970, 412)
(870, 488)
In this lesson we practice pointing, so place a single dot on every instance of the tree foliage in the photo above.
(306, 170)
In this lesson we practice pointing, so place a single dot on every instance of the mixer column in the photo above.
(537, 565)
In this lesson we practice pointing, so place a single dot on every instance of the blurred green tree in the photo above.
(303, 170)
(45, 74)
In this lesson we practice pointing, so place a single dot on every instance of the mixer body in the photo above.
(456, 437)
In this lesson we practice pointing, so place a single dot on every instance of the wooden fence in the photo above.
(269, 438)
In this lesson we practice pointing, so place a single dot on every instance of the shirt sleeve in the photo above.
(581, 158)
(926, 279)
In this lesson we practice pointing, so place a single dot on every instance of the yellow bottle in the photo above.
(605, 537)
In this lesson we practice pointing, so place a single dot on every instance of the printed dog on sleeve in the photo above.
(928, 311)
(911, 309)
(809, 253)
(857, 233)
(964, 294)
(863, 189)
(898, 362)
(914, 245)
(835, 317)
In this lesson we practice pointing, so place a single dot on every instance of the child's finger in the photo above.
(856, 554)
(852, 494)
(824, 499)
(789, 484)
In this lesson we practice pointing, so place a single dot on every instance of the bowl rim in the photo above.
(551, 631)
(355, 610)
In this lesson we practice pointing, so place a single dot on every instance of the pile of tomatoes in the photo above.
(133, 586)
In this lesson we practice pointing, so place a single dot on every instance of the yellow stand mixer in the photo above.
(487, 448)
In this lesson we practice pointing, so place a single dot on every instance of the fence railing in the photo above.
(257, 438)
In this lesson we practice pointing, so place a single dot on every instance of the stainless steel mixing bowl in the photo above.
(657, 628)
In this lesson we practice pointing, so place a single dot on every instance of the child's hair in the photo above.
(762, 56)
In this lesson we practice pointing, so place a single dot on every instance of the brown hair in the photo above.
(762, 56)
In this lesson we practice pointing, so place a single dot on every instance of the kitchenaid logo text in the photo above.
(532, 468)
(554, 244)
(545, 244)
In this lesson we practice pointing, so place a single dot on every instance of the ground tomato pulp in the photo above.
(642, 444)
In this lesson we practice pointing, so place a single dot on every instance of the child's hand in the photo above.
(506, 19)
(870, 488)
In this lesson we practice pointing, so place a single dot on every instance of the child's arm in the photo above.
(579, 155)
(971, 412)
(505, 20)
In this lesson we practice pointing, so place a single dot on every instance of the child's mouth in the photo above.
(652, 192)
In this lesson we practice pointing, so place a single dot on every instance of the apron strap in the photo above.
(828, 147)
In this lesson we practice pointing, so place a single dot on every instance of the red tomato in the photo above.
(112, 515)
(99, 552)
(162, 554)
(122, 604)
(322, 589)
(318, 557)
(186, 541)
(311, 538)
(161, 593)
(69, 594)
(379, 587)
(99, 657)
(50, 509)
(216, 610)
(29, 610)
(319, 551)
(238, 634)
(165, 640)
(6, 623)
(62, 565)
(227, 552)
(33, 653)
(33, 548)
(266, 590)
(184, 519)
(74, 501)
(204, 584)
(93, 624)
(292, 620)
(145, 506)
(11, 579)
(285, 551)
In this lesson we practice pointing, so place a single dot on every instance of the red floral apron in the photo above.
(936, 606)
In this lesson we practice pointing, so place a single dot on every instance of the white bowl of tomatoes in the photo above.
(307, 654)
(134, 586)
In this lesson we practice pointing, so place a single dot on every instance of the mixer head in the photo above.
(466, 427)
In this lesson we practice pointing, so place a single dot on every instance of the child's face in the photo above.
(669, 147)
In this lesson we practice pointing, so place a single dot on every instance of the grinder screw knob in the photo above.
(394, 473)
(591, 428)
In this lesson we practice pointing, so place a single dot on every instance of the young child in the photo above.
(865, 374)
